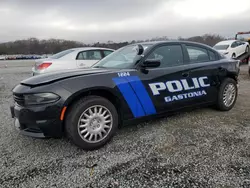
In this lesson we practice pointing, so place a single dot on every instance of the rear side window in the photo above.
(107, 52)
(61, 54)
(89, 55)
(212, 55)
(170, 55)
(197, 54)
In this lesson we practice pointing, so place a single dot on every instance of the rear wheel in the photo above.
(227, 94)
(91, 122)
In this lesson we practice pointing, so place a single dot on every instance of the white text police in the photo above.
(179, 85)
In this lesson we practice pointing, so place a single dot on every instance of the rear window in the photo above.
(212, 56)
(221, 47)
(61, 54)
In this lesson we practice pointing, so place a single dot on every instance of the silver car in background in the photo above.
(75, 58)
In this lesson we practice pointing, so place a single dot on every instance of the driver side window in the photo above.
(169, 55)
(234, 44)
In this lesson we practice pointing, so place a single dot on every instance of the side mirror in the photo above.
(140, 49)
(151, 63)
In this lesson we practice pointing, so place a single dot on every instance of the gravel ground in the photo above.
(16, 63)
(201, 148)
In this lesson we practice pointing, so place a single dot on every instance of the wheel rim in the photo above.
(95, 123)
(229, 94)
(247, 49)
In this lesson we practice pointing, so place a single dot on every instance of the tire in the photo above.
(221, 104)
(75, 114)
(233, 56)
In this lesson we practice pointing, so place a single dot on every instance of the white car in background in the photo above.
(75, 58)
(249, 66)
(232, 48)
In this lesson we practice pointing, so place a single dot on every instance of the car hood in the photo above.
(60, 75)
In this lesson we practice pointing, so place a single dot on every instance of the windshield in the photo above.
(123, 58)
(61, 54)
(244, 37)
(221, 47)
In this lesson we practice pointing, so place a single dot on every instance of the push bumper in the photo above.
(27, 131)
(39, 122)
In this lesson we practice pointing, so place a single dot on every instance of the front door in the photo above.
(165, 83)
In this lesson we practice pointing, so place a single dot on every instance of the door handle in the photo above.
(185, 74)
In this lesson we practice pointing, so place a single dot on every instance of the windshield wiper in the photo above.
(99, 67)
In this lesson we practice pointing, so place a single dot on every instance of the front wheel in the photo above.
(227, 95)
(91, 122)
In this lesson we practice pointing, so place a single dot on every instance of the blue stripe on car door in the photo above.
(142, 94)
(130, 96)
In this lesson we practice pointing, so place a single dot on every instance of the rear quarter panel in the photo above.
(228, 68)
(61, 65)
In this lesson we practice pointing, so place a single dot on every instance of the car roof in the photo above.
(226, 42)
(90, 48)
(172, 41)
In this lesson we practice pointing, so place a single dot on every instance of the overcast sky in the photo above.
(121, 20)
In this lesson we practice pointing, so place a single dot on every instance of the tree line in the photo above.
(51, 46)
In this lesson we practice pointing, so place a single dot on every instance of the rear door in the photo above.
(235, 48)
(203, 70)
(242, 47)
(88, 58)
(238, 48)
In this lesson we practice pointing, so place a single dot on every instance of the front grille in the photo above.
(19, 99)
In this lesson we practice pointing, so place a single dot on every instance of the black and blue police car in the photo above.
(136, 82)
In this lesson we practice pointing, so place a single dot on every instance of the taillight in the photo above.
(43, 66)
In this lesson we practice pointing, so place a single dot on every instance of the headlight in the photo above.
(225, 53)
(40, 98)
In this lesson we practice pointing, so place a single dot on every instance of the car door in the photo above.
(164, 83)
(204, 67)
(242, 47)
(88, 58)
(238, 48)
(234, 49)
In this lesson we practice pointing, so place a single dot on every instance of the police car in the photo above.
(136, 82)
